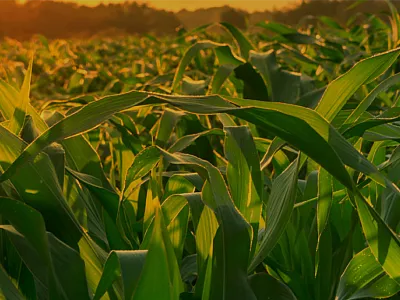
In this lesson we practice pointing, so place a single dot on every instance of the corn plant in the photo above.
(239, 166)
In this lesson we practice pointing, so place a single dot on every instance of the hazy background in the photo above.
(176, 5)
(87, 18)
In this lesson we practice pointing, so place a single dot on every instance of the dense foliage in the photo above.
(229, 166)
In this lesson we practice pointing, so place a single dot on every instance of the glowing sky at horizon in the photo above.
(176, 5)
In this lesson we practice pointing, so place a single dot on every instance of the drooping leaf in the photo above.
(292, 123)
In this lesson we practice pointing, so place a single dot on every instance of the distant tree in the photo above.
(64, 20)
(8, 8)
(235, 17)
(336, 9)
(55, 19)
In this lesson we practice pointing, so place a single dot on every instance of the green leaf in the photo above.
(18, 118)
(227, 64)
(205, 233)
(244, 44)
(277, 27)
(383, 243)
(367, 101)
(60, 262)
(143, 163)
(55, 152)
(38, 186)
(190, 54)
(297, 125)
(108, 199)
(395, 20)
(365, 278)
(244, 175)
(233, 239)
(325, 198)
(69, 268)
(175, 210)
(78, 150)
(254, 85)
(160, 267)
(189, 139)
(125, 265)
(273, 148)
(29, 223)
(189, 269)
(358, 129)
(283, 86)
(323, 265)
(297, 122)
(177, 184)
(323, 255)
(168, 122)
(229, 276)
(7, 288)
(267, 287)
(279, 208)
(342, 88)
(177, 217)
(220, 76)
(124, 157)
(94, 258)
(152, 197)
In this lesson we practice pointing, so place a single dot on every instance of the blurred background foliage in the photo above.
(70, 20)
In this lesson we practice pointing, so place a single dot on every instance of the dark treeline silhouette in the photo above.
(66, 20)
(341, 11)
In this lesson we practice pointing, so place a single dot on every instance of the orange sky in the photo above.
(174, 5)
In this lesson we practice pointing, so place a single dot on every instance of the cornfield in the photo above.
(217, 164)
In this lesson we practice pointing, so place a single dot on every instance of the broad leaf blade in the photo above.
(342, 88)
(279, 209)
(244, 175)
(364, 277)
(18, 118)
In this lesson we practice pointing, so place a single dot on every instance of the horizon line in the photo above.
(284, 6)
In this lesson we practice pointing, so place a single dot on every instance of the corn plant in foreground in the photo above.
(257, 182)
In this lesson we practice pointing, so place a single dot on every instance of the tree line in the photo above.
(70, 20)
(64, 20)
(340, 10)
